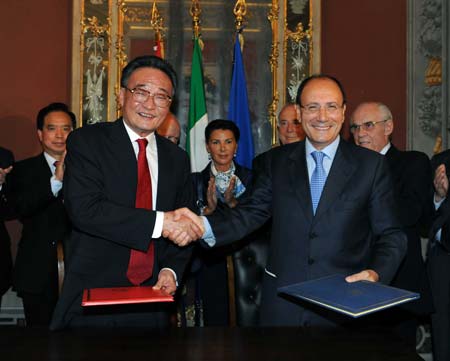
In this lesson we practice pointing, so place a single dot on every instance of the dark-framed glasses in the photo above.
(314, 108)
(140, 95)
(368, 126)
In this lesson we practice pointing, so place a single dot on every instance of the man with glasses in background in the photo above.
(372, 126)
(327, 198)
(121, 183)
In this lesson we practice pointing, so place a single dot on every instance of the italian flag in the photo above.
(198, 118)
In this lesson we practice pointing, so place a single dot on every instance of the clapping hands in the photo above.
(3, 173)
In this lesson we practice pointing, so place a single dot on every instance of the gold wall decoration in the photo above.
(433, 74)
(91, 70)
(118, 24)
(273, 62)
(297, 54)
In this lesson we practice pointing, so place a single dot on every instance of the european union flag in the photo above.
(238, 110)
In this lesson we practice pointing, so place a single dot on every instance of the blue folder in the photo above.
(353, 299)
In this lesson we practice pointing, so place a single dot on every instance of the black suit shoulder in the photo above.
(6, 158)
(25, 164)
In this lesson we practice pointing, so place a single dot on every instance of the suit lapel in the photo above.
(164, 172)
(42, 167)
(123, 153)
(341, 171)
(298, 173)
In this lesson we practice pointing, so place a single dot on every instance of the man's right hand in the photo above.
(182, 226)
(440, 183)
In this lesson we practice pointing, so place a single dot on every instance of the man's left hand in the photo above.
(366, 275)
(166, 282)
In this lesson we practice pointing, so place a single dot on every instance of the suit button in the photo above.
(312, 235)
(310, 261)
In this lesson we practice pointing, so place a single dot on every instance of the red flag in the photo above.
(158, 48)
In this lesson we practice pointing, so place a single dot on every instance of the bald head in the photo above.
(289, 128)
(170, 129)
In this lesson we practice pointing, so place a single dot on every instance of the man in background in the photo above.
(290, 130)
(170, 129)
(37, 195)
(6, 164)
(372, 125)
(289, 127)
(438, 260)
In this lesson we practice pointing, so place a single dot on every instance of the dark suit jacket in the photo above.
(413, 188)
(357, 203)
(99, 192)
(6, 159)
(44, 221)
(441, 218)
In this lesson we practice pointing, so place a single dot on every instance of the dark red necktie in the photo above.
(140, 267)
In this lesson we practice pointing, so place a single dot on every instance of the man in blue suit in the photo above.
(327, 210)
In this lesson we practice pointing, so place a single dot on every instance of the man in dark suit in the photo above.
(438, 260)
(372, 125)
(349, 228)
(6, 163)
(36, 194)
(100, 193)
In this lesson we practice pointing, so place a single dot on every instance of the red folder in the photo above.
(123, 295)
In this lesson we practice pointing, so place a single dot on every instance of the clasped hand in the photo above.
(3, 173)
(182, 226)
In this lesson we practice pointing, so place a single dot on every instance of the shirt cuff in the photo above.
(56, 185)
(173, 272)
(208, 236)
(159, 222)
(437, 204)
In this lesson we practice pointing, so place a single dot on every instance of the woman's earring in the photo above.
(209, 156)
(234, 155)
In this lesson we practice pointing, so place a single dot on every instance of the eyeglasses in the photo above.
(161, 100)
(366, 125)
(286, 123)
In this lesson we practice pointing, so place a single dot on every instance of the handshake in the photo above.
(182, 226)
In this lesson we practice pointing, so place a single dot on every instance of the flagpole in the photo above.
(238, 108)
(156, 23)
(198, 116)
(240, 11)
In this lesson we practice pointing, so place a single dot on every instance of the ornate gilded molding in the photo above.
(272, 16)
(433, 74)
(300, 44)
(137, 15)
(95, 49)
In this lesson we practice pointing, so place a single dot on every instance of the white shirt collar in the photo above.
(50, 161)
(330, 150)
(134, 136)
(385, 149)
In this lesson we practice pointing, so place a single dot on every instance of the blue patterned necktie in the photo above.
(318, 179)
